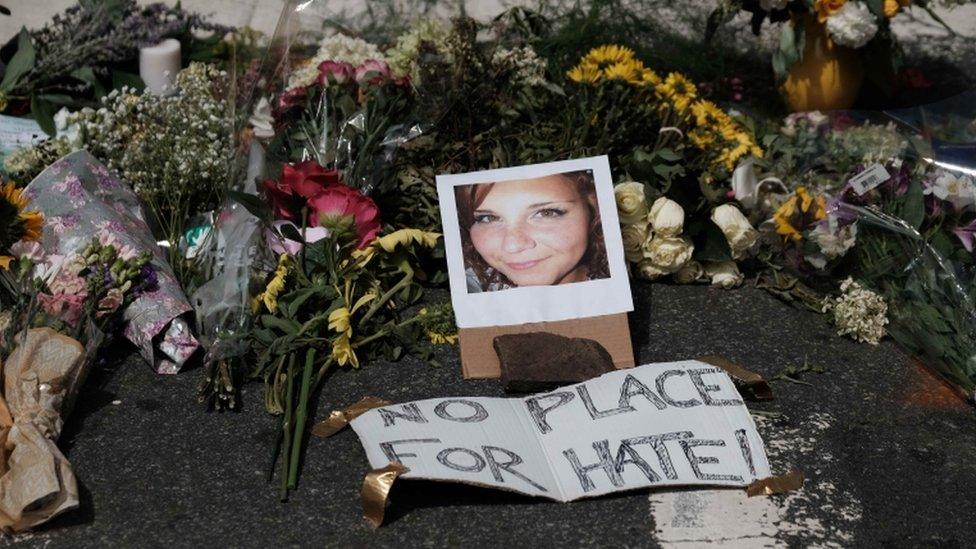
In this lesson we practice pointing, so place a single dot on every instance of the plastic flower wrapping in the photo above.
(885, 201)
(82, 199)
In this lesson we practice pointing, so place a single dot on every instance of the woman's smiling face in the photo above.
(533, 231)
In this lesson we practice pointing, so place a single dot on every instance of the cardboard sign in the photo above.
(666, 424)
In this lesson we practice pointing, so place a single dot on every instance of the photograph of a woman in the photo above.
(542, 231)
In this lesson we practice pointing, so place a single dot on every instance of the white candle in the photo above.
(159, 65)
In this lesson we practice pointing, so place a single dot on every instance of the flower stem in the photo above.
(286, 433)
(300, 418)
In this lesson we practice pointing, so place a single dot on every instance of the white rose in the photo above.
(724, 273)
(631, 203)
(736, 228)
(668, 254)
(634, 237)
(667, 217)
(262, 120)
(648, 271)
(853, 26)
(745, 184)
(689, 273)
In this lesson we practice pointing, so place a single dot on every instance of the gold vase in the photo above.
(828, 77)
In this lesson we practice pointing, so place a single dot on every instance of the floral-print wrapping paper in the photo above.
(81, 199)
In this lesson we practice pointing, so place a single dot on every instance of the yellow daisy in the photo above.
(799, 212)
(679, 90)
(628, 71)
(585, 73)
(609, 54)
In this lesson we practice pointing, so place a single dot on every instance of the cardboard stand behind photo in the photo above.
(514, 236)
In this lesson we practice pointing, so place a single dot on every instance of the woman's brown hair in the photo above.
(470, 197)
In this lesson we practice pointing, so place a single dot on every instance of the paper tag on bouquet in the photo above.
(870, 178)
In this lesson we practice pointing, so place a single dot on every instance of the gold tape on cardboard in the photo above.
(339, 419)
(376, 491)
(751, 382)
(781, 484)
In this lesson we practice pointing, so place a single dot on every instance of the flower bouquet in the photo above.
(51, 304)
(882, 209)
(338, 294)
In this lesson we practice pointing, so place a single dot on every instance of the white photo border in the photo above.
(537, 303)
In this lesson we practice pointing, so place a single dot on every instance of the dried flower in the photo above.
(859, 312)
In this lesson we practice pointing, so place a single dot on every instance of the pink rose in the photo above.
(372, 72)
(340, 201)
(334, 72)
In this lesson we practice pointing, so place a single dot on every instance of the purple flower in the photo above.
(965, 235)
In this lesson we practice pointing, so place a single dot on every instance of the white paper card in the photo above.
(870, 178)
(514, 266)
(665, 424)
(18, 132)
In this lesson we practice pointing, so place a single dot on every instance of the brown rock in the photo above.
(538, 361)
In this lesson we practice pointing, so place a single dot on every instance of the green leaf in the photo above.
(291, 233)
(122, 79)
(43, 112)
(914, 206)
(21, 63)
(289, 327)
(297, 299)
(711, 245)
(87, 75)
(252, 203)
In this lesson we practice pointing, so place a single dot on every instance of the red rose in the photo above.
(298, 184)
(340, 204)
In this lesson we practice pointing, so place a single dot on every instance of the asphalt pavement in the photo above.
(887, 450)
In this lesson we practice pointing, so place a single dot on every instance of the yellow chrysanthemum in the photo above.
(269, 297)
(610, 54)
(339, 321)
(404, 237)
(585, 73)
(18, 224)
(343, 353)
(441, 339)
(389, 243)
(797, 213)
